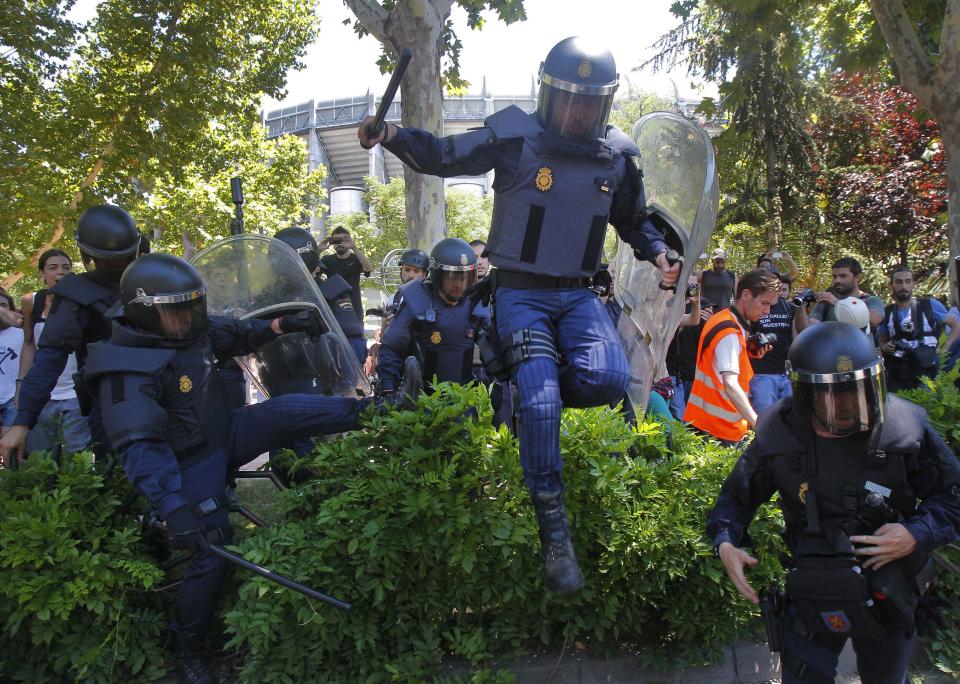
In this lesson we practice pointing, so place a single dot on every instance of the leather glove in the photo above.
(480, 291)
(186, 530)
(602, 282)
(309, 322)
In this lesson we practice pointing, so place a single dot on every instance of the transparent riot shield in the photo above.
(390, 275)
(680, 179)
(254, 276)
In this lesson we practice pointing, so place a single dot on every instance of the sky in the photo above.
(339, 65)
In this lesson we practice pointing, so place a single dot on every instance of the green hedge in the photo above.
(76, 587)
(422, 522)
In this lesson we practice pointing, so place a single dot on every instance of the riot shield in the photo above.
(390, 275)
(254, 276)
(680, 179)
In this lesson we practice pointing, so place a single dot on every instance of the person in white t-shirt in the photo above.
(60, 421)
(11, 342)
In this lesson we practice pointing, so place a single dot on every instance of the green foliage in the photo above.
(77, 592)
(422, 522)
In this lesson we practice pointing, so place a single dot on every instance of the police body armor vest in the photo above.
(445, 335)
(80, 291)
(153, 388)
(336, 290)
(550, 218)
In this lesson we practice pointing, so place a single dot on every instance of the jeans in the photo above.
(678, 403)
(8, 411)
(60, 422)
(592, 371)
(767, 389)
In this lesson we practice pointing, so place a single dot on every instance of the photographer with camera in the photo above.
(846, 283)
(909, 333)
(348, 262)
(868, 490)
(718, 403)
(785, 320)
(768, 261)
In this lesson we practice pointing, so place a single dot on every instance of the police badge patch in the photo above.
(544, 179)
(436, 337)
(836, 621)
(185, 384)
(844, 364)
(585, 68)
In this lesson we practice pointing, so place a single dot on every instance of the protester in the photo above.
(483, 263)
(770, 382)
(718, 283)
(60, 421)
(11, 343)
(846, 283)
(348, 262)
(768, 260)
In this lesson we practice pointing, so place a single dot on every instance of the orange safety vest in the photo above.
(709, 409)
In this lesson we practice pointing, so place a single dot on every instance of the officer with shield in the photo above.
(108, 240)
(166, 412)
(868, 490)
(333, 287)
(435, 321)
(562, 174)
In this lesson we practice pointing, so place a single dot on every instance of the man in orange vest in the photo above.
(719, 404)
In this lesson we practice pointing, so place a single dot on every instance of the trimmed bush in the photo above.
(423, 523)
(75, 584)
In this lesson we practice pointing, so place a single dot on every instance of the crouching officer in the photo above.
(435, 321)
(166, 412)
(334, 288)
(868, 490)
(108, 240)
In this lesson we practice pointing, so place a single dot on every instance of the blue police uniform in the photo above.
(76, 319)
(554, 199)
(167, 413)
(823, 486)
(440, 334)
(338, 294)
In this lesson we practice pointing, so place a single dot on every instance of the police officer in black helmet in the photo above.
(166, 412)
(868, 490)
(108, 240)
(414, 264)
(333, 287)
(561, 175)
(435, 321)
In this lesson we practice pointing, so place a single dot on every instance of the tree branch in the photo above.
(912, 60)
(372, 17)
(950, 34)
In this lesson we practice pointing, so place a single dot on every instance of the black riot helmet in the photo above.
(416, 258)
(837, 378)
(107, 232)
(577, 83)
(302, 242)
(453, 268)
(164, 295)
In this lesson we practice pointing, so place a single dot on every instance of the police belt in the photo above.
(535, 281)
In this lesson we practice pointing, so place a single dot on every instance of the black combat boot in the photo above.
(193, 660)
(561, 574)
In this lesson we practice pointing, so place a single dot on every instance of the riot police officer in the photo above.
(166, 412)
(562, 174)
(414, 264)
(435, 320)
(108, 240)
(334, 288)
(868, 490)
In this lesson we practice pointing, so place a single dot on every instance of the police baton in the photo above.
(218, 550)
(375, 127)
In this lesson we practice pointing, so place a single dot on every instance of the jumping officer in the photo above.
(435, 320)
(108, 240)
(166, 412)
(868, 490)
(334, 288)
(562, 174)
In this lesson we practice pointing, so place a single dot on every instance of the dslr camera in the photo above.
(758, 341)
(901, 349)
(805, 296)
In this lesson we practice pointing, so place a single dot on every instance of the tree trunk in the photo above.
(951, 146)
(418, 24)
(770, 148)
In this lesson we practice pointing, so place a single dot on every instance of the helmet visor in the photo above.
(183, 320)
(454, 281)
(573, 115)
(843, 408)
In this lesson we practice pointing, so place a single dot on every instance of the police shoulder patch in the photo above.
(836, 621)
(186, 384)
(436, 337)
(470, 332)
